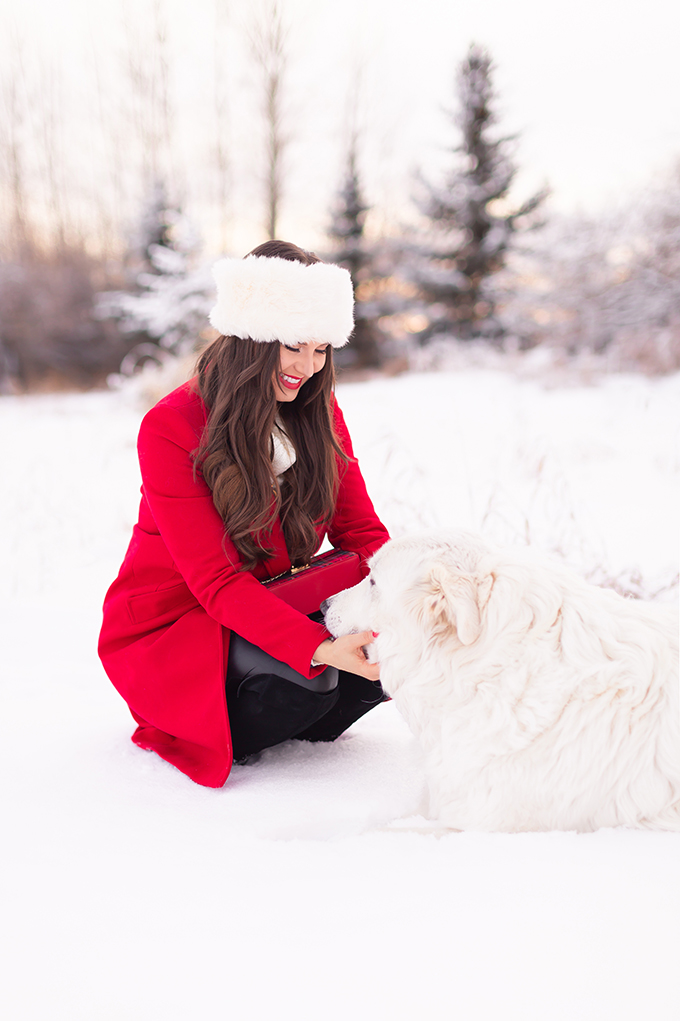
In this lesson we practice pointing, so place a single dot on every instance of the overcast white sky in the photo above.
(593, 86)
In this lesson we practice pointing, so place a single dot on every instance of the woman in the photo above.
(245, 470)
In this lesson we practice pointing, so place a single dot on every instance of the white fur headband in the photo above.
(269, 299)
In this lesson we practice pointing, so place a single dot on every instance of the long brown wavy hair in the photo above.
(236, 383)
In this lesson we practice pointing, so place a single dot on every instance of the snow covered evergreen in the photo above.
(168, 300)
(471, 227)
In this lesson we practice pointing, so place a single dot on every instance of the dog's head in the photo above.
(434, 584)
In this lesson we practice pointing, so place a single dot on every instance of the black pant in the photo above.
(268, 702)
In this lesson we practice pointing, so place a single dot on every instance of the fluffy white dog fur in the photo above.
(540, 701)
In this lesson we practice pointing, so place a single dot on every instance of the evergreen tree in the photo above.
(156, 227)
(165, 307)
(356, 255)
(471, 231)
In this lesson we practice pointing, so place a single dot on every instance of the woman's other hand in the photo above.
(347, 653)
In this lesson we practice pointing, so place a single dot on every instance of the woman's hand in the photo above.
(346, 653)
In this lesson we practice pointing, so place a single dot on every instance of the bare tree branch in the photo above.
(221, 107)
(15, 102)
(268, 40)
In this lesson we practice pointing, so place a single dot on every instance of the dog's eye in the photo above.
(371, 582)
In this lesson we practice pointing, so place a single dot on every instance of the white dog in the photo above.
(540, 701)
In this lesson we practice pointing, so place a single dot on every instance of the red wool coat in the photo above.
(167, 617)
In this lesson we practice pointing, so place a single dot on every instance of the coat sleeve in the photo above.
(191, 528)
(355, 526)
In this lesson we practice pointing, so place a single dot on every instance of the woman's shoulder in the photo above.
(180, 408)
(184, 397)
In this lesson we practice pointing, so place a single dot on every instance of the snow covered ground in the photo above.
(131, 893)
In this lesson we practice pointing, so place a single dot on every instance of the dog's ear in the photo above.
(457, 599)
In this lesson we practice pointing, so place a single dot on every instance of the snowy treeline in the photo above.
(610, 288)
(100, 279)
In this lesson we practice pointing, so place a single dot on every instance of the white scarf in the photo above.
(284, 452)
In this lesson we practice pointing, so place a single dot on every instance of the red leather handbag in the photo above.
(305, 588)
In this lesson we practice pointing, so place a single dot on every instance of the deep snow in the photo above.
(132, 893)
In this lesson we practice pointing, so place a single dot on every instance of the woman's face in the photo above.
(297, 364)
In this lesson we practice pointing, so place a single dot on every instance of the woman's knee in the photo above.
(266, 709)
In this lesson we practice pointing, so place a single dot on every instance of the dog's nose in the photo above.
(324, 606)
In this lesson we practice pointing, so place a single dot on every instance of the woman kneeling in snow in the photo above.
(245, 469)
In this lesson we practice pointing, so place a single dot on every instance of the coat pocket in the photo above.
(162, 605)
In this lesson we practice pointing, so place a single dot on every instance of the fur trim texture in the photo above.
(270, 299)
